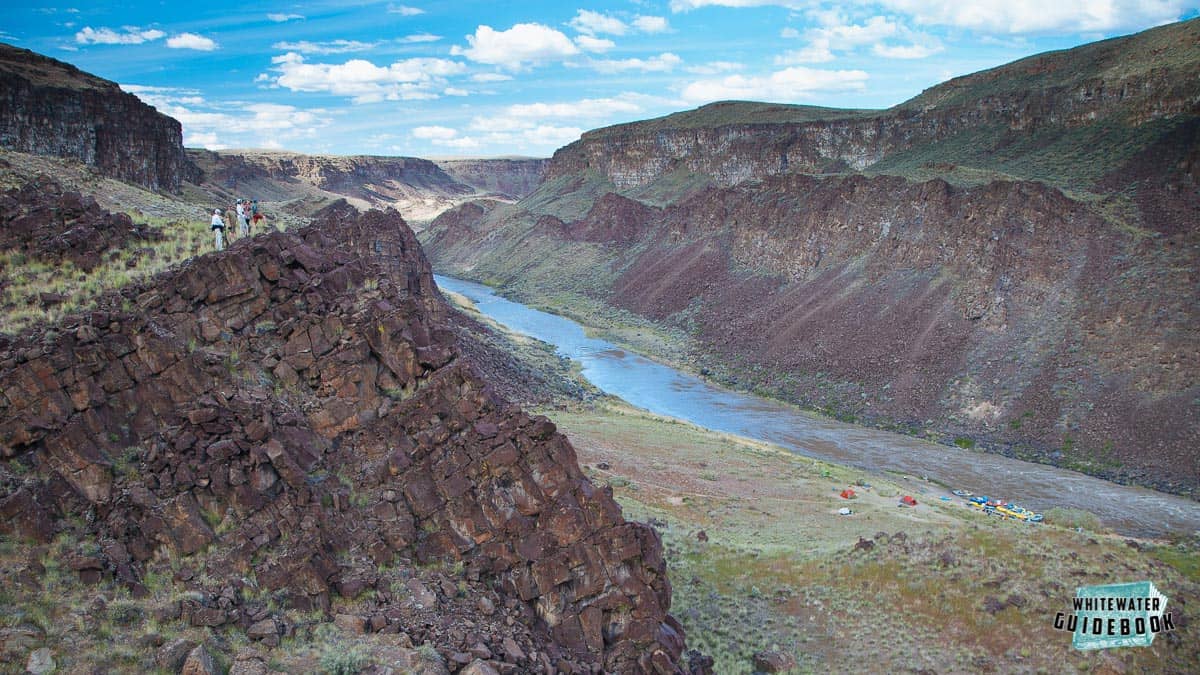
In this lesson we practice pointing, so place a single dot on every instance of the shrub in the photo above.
(339, 659)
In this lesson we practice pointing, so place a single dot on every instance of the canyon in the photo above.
(296, 455)
(419, 188)
(1007, 261)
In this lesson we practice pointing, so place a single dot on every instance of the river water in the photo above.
(1132, 511)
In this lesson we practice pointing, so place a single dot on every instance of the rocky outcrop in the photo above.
(295, 412)
(43, 221)
(48, 107)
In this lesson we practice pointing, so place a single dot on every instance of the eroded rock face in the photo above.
(46, 222)
(302, 392)
(48, 107)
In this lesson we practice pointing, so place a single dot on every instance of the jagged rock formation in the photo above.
(1015, 266)
(48, 107)
(420, 189)
(43, 221)
(294, 412)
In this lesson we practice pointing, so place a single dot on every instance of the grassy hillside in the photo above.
(1166, 52)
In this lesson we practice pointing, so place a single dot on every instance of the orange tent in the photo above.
(908, 501)
(848, 494)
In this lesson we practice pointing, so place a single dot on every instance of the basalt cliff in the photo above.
(291, 425)
(1007, 261)
(48, 107)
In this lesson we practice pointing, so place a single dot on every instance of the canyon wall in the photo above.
(48, 107)
(507, 177)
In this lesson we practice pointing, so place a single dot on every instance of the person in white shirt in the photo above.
(218, 228)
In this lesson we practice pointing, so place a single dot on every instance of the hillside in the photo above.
(292, 423)
(1006, 261)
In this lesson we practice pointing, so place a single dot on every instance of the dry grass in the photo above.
(946, 589)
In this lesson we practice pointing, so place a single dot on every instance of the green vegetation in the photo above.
(730, 112)
(1069, 158)
(339, 658)
(1163, 49)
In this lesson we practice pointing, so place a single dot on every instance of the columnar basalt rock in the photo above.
(48, 107)
(302, 392)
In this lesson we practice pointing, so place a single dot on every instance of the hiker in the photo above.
(255, 216)
(243, 219)
(218, 228)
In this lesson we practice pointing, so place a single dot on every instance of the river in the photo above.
(1128, 510)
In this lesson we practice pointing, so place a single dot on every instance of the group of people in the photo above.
(245, 214)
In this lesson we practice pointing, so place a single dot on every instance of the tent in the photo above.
(848, 494)
(907, 500)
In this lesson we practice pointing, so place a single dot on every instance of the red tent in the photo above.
(908, 501)
(848, 494)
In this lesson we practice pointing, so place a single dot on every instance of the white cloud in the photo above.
(651, 24)
(524, 43)
(405, 10)
(191, 41)
(688, 5)
(788, 85)
(455, 91)
(222, 124)
(108, 36)
(280, 18)
(365, 82)
(1035, 16)
(1005, 16)
(836, 35)
(548, 135)
(330, 47)
(421, 37)
(594, 44)
(714, 67)
(583, 109)
(207, 140)
(913, 51)
(662, 63)
(817, 52)
(589, 22)
(491, 77)
(538, 127)
(445, 137)
(789, 32)
(431, 133)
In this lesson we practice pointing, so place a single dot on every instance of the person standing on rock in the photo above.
(243, 218)
(218, 228)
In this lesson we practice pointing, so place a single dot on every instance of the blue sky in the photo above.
(436, 78)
